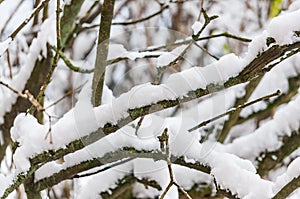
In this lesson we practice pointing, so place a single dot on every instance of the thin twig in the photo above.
(9, 64)
(104, 169)
(206, 51)
(224, 34)
(202, 5)
(116, 60)
(207, 21)
(58, 36)
(161, 70)
(125, 23)
(164, 139)
(182, 190)
(204, 123)
(67, 94)
(87, 14)
(120, 7)
(139, 124)
(166, 190)
(49, 129)
(141, 19)
(25, 22)
(13, 90)
(69, 63)
(56, 56)
(186, 41)
(13, 13)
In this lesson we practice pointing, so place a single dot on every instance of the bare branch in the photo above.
(142, 19)
(204, 123)
(69, 63)
(25, 22)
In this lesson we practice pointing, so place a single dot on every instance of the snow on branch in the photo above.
(287, 182)
(252, 145)
(37, 48)
(85, 125)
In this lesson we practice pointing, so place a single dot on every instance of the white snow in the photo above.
(119, 51)
(282, 28)
(292, 172)
(95, 186)
(239, 180)
(182, 143)
(4, 183)
(228, 167)
(197, 27)
(257, 45)
(267, 137)
(47, 34)
(166, 58)
(199, 77)
(84, 119)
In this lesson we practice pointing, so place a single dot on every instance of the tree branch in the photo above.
(112, 159)
(288, 188)
(233, 117)
(272, 158)
(142, 19)
(102, 51)
(259, 63)
(25, 22)
(238, 108)
(148, 109)
(294, 83)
